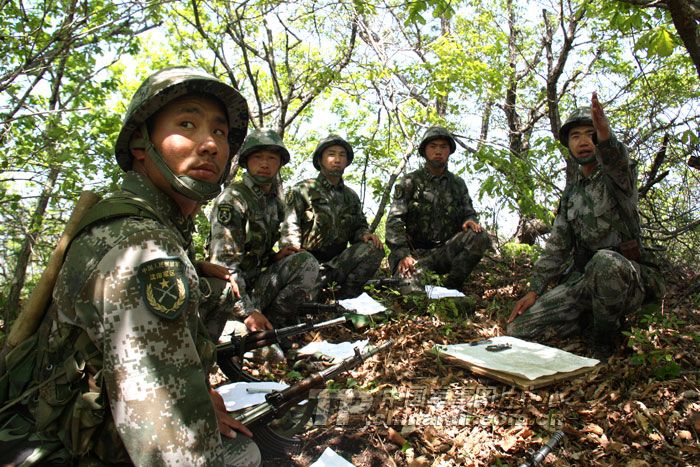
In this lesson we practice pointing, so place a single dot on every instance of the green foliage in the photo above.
(652, 344)
(520, 252)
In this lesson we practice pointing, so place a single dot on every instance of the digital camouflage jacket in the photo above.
(323, 218)
(126, 319)
(426, 211)
(589, 215)
(245, 225)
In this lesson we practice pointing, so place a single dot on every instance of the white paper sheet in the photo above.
(237, 397)
(330, 458)
(362, 305)
(525, 359)
(336, 352)
(435, 291)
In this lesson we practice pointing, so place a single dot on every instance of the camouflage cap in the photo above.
(328, 141)
(580, 116)
(433, 133)
(169, 84)
(259, 140)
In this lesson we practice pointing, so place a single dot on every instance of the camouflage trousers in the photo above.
(283, 286)
(457, 257)
(597, 300)
(351, 269)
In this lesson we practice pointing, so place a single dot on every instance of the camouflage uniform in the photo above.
(323, 218)
(425, 221)
(125, 316)
(123, 357)
(605, 285)
(245, 223)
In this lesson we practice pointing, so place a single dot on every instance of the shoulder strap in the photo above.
(115, 207)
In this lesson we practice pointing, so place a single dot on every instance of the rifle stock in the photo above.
(277, 403)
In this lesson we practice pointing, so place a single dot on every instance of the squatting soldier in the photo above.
(123, 361)
(596, 223)
(432, 223)
(245, 226)
(324, 215)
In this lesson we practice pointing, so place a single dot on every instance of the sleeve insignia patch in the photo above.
(398, 192)
(164, 286)
(224, 213)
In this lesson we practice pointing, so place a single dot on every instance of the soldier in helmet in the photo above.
(432, 223)
(325, 215)
(245, 226)
(596, 227)
(123, 361)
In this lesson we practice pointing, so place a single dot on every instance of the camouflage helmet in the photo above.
(580, 116)
(433, 133)
(259, 140)
(158, 90)
(328, 141)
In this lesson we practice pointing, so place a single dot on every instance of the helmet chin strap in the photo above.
(437, 164)
(196, 190)
(331, 173)
(583, 161)
(262, 180)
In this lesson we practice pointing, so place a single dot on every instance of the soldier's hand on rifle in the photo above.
(227, 424)
(368, 237)
(600, 121)
(207, 269)
(407, 266)
(523, 305)
(470, 224)
(256, 321)
(285, 251)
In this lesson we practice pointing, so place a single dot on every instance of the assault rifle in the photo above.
(278, 403)
(538, 457)
(230, 354)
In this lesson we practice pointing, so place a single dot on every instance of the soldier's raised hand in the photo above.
(600, 121)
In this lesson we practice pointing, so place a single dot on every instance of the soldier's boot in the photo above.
(462, 267)
(604, 338)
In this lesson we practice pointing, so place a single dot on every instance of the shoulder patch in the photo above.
(398, 191)
(224, 213)
(164, 286)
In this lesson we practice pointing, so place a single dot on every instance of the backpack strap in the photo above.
(115, 207)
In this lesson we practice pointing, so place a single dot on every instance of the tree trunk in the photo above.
(687, 28)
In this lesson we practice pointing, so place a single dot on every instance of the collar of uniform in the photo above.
(580, 178)
(323, 181)
(443, 176)
(255, 188)
(142, 186)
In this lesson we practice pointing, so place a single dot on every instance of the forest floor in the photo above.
(640, 408)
